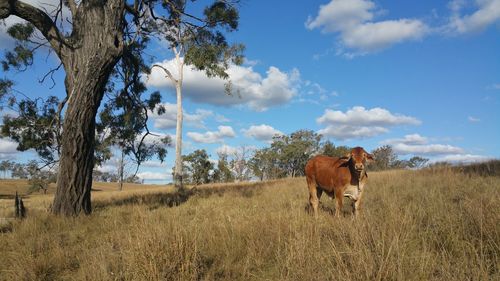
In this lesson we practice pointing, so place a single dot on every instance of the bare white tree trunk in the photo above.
(178, 176)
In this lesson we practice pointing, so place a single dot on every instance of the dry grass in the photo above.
(423, 225)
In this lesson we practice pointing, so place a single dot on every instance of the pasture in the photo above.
(414, 225)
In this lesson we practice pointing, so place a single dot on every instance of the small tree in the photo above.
(6, 166)
(39, 179)
(239, 163)
(19, 171)
(329, 149)
(222, 173)
(385, 158)
(198, 166)
(417, 162)
(294, 150)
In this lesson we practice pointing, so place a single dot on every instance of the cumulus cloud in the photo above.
(416, 144)
(426, 149)
(213, 136)
(486, 13)
(261, 132)
(248, 87)
(359, 123)
(345, 132)
(8, 148)
(226, 149)
(462, 158)
(354, 21)
(168, 119)
(408, 139)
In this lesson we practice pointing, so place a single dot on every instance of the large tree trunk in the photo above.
(98, 30)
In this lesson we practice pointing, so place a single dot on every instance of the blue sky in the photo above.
(422, 76)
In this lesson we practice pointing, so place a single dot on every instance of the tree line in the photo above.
(286, 156)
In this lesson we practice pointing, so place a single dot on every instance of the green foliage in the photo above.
(198, 167)
(35, 127)
(6, 166)
(385, 158)
(329, 149)
(39, 179)
(222, 173)
(287, 155)
(22, 54)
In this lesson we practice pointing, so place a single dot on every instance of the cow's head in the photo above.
(359, 157)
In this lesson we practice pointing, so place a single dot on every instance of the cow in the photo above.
(338, 177)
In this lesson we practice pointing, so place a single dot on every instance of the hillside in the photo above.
(415, 225)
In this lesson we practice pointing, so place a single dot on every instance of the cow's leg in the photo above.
(313, 195)
(339, 195)
(357, 204)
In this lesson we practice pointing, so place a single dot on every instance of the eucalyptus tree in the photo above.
(203, 47)
(89, 42)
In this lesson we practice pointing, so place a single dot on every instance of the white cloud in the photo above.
(213, 136)
(426, 149)
(261, 132)
(226, 149)
(153, 176)
(8, 146)
(249, 87)
(358, 122)
(462, 158)
(416, 144)
(408, 139)
(359, 116)
(353, 21)
(487, 13)
(345, 132)
(473, 119)
(168, 119)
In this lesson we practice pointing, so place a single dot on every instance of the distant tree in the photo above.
(5, 166)
(223, 172)
(198, 166)
(294, 150)
(265, 164)
(329, 149)
(417, 162)
(39, 179)
(239, 163)
(385, 158)
(19, 171)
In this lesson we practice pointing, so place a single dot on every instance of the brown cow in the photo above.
(339, 177)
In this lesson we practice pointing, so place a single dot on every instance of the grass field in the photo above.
(415, 225)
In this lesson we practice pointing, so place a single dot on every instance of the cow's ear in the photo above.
(370, 157)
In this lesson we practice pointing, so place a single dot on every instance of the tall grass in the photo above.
(414, 225)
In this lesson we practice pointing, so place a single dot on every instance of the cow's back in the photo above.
(328, 173)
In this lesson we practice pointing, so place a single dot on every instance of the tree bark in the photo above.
(178, 172)
(97, 29)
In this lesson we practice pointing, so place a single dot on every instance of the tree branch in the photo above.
(39, 19)
(167, 72)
